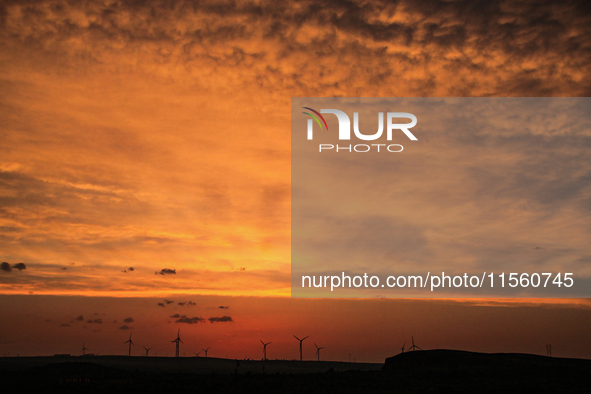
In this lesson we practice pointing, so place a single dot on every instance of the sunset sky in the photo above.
(145, 157)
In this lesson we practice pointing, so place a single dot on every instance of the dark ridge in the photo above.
(76, 369)
(432, 371)
(460, 371)
(453, 359)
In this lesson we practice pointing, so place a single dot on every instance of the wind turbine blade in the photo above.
(262, 342)
(297, 338)
(306, 337)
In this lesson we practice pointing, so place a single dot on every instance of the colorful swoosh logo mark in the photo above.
(316, 117)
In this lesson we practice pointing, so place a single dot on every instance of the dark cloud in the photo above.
(190, 320)
(124, 327)
(176, 316)
(7, 268)
(168, 302)
(181, 303)
(222, 319)
(191, 303)
(95, 321)
(128, 320)
(65, 325)
(536, 45)
(165, 271)
(223, 307)
(161, 304)
(131, 269)
(80, 318)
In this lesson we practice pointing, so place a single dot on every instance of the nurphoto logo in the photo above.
(345, 130)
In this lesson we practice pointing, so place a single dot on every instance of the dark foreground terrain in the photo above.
(433, 371)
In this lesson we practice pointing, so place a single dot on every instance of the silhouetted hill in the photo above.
(82, 369)
(450, 359)
(433, 371)
(497, 372)
(197, 365)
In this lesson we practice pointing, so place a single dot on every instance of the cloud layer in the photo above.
(156, 134)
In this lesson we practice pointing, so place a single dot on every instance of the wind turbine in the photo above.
(205, 350)
(403, 347)
(147, 350)
(130, 343)
(84, 349)
(196, 354)
(318, 351)
(414, 347)
(264, 349)
(301, 340)
(177, 341)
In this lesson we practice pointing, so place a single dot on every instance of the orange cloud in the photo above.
(157, 136)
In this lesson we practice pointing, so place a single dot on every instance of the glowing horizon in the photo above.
(157, 137)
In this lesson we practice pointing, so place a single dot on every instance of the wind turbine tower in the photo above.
(84, 349)
(178, 341)
(147, 350)
(264, 349)
(414, 347)
(301, 340)
(130, 343)
(205, 350)
(318, 351)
